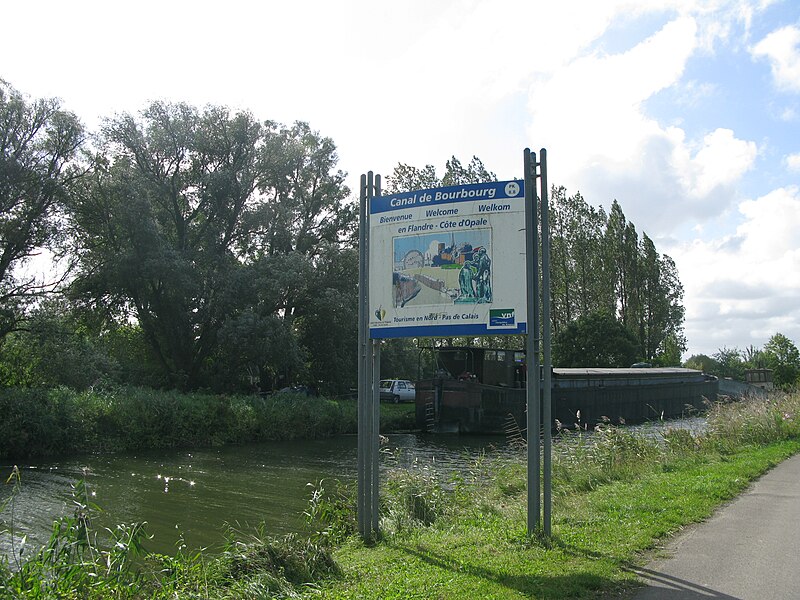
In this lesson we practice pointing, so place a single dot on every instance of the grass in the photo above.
(597, 536)
(615, 498)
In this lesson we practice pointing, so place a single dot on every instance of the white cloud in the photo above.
(592, 111)
(720, 161)
(792, 162)
(782, 48)
(745, 286)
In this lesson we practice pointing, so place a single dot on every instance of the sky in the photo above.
(687, 112)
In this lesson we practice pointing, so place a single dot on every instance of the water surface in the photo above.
(192, 495)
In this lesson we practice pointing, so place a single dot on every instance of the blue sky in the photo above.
(685, 111)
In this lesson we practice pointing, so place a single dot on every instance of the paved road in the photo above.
(749, 550)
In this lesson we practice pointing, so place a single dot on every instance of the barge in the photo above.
(479, 390)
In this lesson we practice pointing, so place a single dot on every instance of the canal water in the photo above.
(191, 496)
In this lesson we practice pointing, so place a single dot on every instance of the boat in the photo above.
(481, 390)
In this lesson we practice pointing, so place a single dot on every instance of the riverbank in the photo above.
(614, 498)
(57, 422)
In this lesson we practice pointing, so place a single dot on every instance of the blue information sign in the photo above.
(448, 261)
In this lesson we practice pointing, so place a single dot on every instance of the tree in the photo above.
(754, 358)
(39, 145)
(326, 326)
(598, 263)
(730, 363)
(196, 220)
(53, 348)
(595, 340)
(405, 178)
(781, 355)
(660, 303)
(580, 278)
(703, 363)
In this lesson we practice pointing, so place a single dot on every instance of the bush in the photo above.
(39, 422)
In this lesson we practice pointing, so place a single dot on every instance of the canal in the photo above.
(193, 495)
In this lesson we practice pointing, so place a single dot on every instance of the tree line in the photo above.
(780, 354)
(206, 249)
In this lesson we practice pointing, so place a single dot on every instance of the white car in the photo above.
(397, 390)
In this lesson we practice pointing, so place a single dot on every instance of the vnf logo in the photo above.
(512, 189)
(501, 317)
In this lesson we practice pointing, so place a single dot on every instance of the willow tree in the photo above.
(39, 148)
(195, 219)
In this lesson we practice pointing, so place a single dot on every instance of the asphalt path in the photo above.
(749, 549)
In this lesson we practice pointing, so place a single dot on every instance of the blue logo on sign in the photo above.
(501, 317)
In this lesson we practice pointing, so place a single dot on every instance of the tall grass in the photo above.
(79, 561)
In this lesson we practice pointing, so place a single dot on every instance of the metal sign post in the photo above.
(539, 392)
(368, 377)
(533, 400)
(546, 343)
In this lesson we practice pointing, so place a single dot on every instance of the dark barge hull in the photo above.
(580, 397)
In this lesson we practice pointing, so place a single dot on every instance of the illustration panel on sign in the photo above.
(437, 269)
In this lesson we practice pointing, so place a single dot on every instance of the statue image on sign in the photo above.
(430, 271)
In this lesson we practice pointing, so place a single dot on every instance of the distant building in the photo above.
(759, 377)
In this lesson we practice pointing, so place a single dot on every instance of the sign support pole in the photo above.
(368, 375)
(546, 335)
(375, 409)
(539, 389)
(533, 401)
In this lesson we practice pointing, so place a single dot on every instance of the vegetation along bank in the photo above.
(60, 421)
(616, 494)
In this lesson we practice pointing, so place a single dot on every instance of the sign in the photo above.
(448, 262)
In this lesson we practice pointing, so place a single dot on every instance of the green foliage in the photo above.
(729, 363)
(781, 355)
(39, 145)
(400, 359)
(39, 422)
(50, 422)
(595, 340)
(754, 421)
(704, 363)
(413, 496)
(599, 264)
(405, 178)
(53, 350)
(331, 513)
(275, 567)
(209, 227)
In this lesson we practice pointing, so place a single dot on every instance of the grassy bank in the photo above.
(51, 422)
(615, 496)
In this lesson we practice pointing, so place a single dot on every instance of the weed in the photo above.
(331, 512)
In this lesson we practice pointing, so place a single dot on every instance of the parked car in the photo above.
(397, 390)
